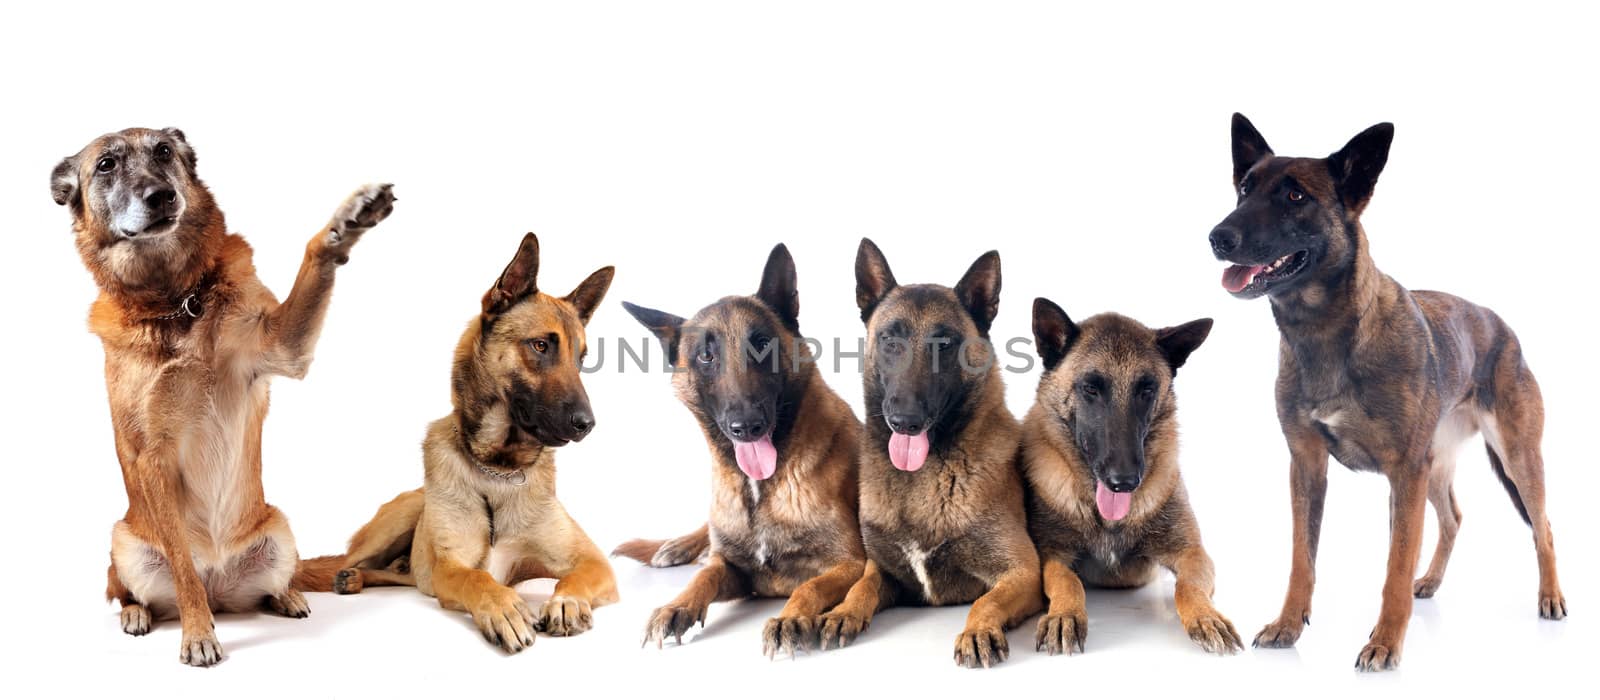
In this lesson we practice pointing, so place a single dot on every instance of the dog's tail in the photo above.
(1511, 487)
(316, 574)
(677, 551)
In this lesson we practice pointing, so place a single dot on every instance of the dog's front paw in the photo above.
(506, 621)
(1553, 606)
(672, 621)
(200, 649)
(563, 616)
(1062, 633)
(982, 647)
(789, 635)
(1282, 633)
(136, 619)
(290, 603)
(1214, 633)
(839, 629)
(361, 211)
(1376, 656)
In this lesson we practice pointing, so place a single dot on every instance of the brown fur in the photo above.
(473, 531)
(191, 338)
(1379, 377)
(1077, 544)
(955, 531)
(795, 533)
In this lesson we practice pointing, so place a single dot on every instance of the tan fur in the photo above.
(189, 394)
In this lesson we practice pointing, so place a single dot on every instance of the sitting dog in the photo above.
(1106, 505)
(487, 516)
(941, 496)
(784, 464)
(1383, 379)
(191, 339)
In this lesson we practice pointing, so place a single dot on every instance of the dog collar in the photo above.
(515, 478)
(192, 304)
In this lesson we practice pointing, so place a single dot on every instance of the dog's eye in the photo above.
(1089, 391)
(760, 342)
(106, 164)
(163, 152)
(706, 357)
(1147, 392)
(1296, 196)
(539, 345)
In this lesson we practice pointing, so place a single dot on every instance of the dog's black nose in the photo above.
(749, 429)
(907, 424)
(1122, 483)
(1225, 240)
(582, 423)
(161, 198)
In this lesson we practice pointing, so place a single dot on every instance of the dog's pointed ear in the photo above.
(779, 287)
(1053, 332)
(181, 143)
(979, 290)
(874, 280)
(1355, 167)
(1248, 147)
(586, 297)
(1178, 342)
(517, 282)
(64, 182)
(666, 327)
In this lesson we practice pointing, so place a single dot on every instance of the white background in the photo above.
(680, 143)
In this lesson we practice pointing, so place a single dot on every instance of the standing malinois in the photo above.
(487, 517)
(784, 463)
(1382, 378)
(191, 338)
(1106, 505)
(941, 497)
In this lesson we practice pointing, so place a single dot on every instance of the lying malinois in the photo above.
(783, 463)
(1382, 378)
(191, 338)
(941, 496)
(1106, 505)
(487, 517)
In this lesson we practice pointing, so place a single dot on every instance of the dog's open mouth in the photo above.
(1240, 279)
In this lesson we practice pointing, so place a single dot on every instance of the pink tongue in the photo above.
(758, 460)
(908, 452)
(1239, 276)
(1113, 505)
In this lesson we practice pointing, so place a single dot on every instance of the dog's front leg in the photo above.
(1308, 487)
(293, 327)
(1065, 624)
(1017, 595)
(796, 627)
(1407, 507)
(717, 581)
(874, 592)
(1192, 596)
(501, 615)
(157, 480)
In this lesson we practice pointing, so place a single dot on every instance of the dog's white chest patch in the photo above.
(502, 556)
(917, 559)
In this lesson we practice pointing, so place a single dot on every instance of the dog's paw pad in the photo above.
(362, 210)
(347, 582)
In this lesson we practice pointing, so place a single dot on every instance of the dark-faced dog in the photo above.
(191, 339)
(1106, 505)
(941, 497)
(487, 516)
(784, 463)
(1383, 379)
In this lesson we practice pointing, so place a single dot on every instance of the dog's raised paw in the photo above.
(671, 621)
(347, 582)
(135, 620)
(1214, 633)
(1062, 633)
(839, 629)
(290, 603)
(789, 636)
(200, 650)
(981, 648)
(362, 210)
(1378, 657)
(563, 616)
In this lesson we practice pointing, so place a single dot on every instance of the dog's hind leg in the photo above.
(379, 552)
(135, 617)
(660, 554)
(1513, 432)
(353, 580)
(1442, 495)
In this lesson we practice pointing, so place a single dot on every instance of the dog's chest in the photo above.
(1343, 425)
(934, 571)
